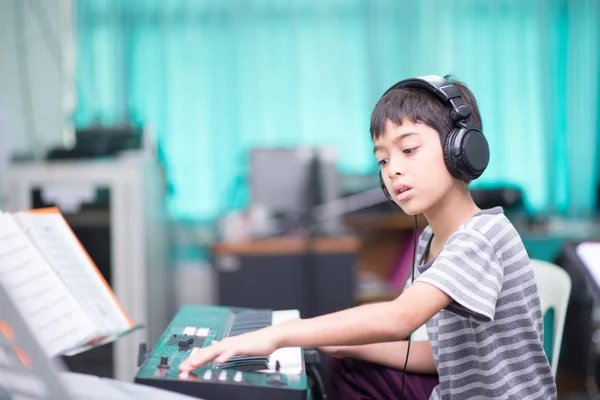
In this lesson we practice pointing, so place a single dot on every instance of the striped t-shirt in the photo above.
(487, 344)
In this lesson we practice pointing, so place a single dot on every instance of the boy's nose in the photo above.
(395, 169)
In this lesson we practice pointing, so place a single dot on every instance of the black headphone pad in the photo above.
(475, 154)
(451, 150)
(466, 153)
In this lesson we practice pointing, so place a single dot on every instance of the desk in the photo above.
(280, 273)
(381, 238)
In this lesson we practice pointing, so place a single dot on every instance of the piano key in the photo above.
(290, 358)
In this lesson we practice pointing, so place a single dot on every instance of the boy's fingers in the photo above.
(197, 360)
(225, 356)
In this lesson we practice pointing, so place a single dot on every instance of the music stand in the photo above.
(27, 373)
(25, 370)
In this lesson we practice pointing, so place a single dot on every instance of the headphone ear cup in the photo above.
(466, 153)
(385, 191)
(450, 148)
(475, 154)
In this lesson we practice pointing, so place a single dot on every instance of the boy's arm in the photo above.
(372, 323)
(391, 354)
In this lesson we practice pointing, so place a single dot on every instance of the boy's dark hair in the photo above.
(419, 105)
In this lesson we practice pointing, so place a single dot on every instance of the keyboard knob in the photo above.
(164, 362)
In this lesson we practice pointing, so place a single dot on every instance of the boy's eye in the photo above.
(382, 162)
(410, 150)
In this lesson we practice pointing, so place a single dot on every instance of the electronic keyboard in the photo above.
(281, 375)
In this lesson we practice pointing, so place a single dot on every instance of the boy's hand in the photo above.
(257, 343)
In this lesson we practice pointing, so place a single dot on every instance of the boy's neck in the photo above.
(446, 216)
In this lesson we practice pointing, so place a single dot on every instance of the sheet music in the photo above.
(49, 308)
(57, 243)
(589, 252)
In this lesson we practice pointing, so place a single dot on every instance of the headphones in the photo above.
(465, 148)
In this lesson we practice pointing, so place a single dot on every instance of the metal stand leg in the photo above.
(590, 380)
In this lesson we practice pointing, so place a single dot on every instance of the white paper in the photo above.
(53, 314)
(61, 249)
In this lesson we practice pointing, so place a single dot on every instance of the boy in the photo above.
(474, 284)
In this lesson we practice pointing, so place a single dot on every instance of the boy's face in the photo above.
(412, 166)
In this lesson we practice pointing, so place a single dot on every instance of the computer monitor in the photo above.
(289, 182)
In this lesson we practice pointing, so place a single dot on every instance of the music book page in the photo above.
(51, 310)
(57, 243)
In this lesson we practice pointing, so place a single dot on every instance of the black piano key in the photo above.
(244, 322)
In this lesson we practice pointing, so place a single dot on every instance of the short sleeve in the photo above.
(422, 246)
(468, 270)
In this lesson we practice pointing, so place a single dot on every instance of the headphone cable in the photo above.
(412, 277)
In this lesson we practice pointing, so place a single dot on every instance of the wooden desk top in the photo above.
(384, 221)
(288, 245)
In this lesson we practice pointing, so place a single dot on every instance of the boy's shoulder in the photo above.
(490, 223)
(488, 227)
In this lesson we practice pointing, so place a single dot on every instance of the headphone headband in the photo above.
(443, 89)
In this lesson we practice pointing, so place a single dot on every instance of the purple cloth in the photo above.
(351, 378)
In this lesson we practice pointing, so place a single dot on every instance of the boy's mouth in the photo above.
(402, 191)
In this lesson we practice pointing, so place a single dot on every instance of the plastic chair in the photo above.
(420, 334)
(554, 288)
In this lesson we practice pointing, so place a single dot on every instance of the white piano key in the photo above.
(278, 317)
(290, 358)
(207, 375)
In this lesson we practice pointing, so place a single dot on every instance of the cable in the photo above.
(412, 280)
(392, 386)
(318, 381)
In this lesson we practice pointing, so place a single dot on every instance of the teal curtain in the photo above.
(215, 78)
